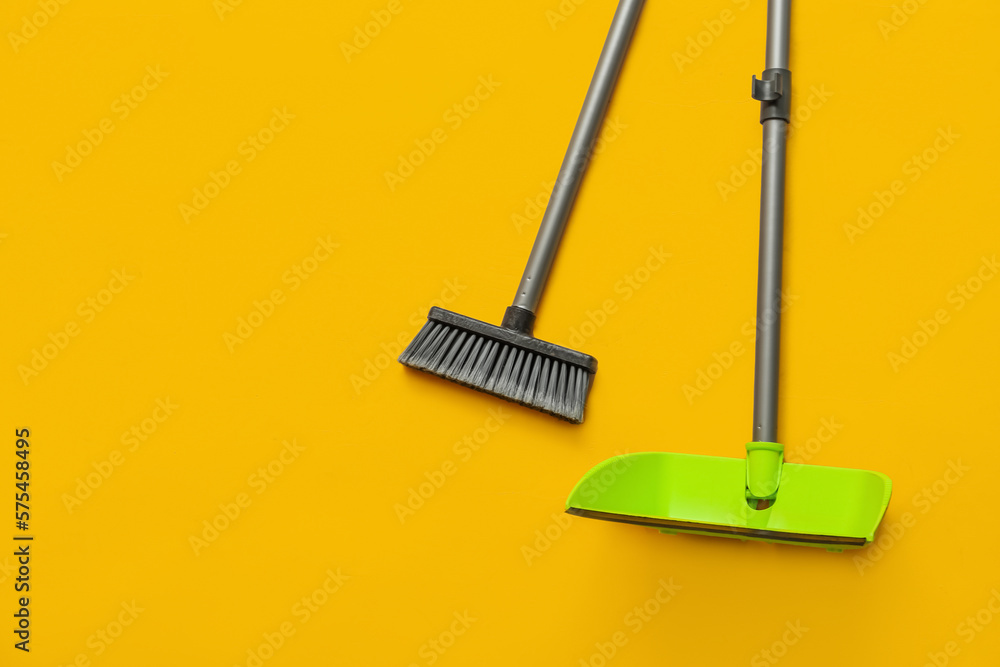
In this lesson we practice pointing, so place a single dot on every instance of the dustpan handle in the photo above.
(774, 92)
(550, 232)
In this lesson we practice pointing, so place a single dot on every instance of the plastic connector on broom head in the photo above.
(833, 508)
(503, 362)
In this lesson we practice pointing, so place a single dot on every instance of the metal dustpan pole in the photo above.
(774, 92)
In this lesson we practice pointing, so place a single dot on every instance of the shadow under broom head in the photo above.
(507, 361)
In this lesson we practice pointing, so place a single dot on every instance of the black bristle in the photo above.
(504, 363)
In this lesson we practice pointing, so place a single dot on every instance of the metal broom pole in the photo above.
(520, 315)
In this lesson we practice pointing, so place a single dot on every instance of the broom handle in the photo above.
(550, 232)
(775, 114)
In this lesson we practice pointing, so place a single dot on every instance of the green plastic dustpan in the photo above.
(835, 508)
(759, 497)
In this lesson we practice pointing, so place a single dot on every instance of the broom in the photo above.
(507, 361)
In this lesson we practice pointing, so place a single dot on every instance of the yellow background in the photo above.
(301, 375)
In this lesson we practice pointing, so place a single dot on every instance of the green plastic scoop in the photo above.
(759, 497)
(836, 508)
